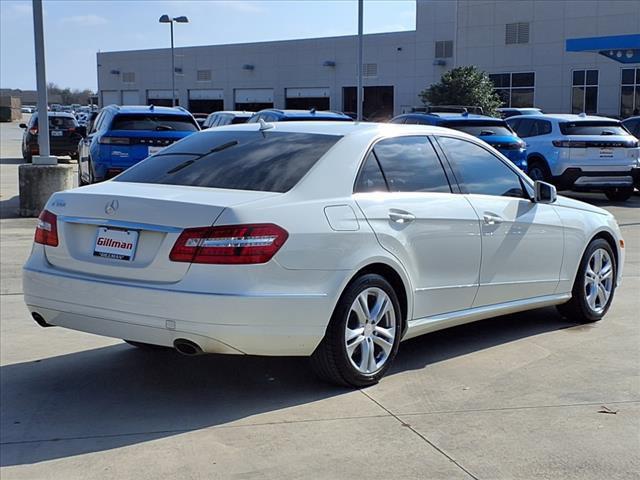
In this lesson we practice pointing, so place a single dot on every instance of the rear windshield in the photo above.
(60, 122)
(480, 127)
(593, 128)
(263, 161)
(236, 120)
(154, 122)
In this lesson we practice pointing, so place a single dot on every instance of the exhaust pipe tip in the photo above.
(187, 347)
(39, 319)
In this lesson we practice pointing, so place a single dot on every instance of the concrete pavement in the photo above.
(516, 397)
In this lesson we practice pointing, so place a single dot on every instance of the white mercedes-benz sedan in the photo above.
(330, 240)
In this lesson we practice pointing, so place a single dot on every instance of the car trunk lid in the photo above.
(126, 230)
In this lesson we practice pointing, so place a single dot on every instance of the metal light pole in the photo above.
(44, 157)
(359, 93)
(166, 19)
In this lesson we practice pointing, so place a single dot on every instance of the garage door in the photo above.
(253, 99)
(308, 98)
(161, 98)
(206, 100)
(110, 97)
(131, 97)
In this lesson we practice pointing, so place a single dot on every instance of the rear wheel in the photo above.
(538, 170)
(594, 286)
(363, 335)
(619, 194)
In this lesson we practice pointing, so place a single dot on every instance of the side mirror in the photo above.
(81, 130)
(545, 192)
(23, 125)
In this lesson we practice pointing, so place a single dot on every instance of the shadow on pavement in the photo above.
(9, 207)
(117, 396)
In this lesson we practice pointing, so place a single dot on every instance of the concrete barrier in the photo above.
(38, 182)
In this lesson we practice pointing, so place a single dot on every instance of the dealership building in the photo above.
(559, 55)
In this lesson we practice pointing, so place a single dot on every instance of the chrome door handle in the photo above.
(491, 219)
(400, 216)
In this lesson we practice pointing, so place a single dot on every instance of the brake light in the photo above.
(115, 140)
(33, 130)
(47, 229)
(231, 244)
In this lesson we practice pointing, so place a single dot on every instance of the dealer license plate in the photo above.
(116, 243)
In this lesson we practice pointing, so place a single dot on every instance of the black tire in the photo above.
(538, 169)
(330, 361)
(74, 155)
(148, 346)
(577, 309)
(27, 156)
(619, 194)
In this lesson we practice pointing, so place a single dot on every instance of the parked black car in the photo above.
(64, 135)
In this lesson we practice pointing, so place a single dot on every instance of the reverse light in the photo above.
(47, 229)
(114, 141)
(231, 244)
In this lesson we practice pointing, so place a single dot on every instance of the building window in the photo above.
(129, 77)
(516, 33)
(369, 69)
(584, 91)
(630, 92)
(203, 75)
(515, 89)
(444, 49)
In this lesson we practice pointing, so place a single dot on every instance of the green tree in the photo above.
(463, 86)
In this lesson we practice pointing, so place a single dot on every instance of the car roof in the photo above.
(452, 116)
(631, 119)
(306, 113)
(568, 117)
(133, 109)
(346, 128)
(237, 113)
(57, 114)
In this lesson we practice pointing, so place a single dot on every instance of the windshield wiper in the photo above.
(181, 166)
(607, 132)
(163, 128)
(487, 132)
(224, 146)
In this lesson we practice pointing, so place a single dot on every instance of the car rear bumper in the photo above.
(578, 179)
(219, 323)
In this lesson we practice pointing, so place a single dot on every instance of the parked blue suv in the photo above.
(496, 132)
(121, 136)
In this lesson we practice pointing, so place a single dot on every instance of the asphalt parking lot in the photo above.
(524, 396)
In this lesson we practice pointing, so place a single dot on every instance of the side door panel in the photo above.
(435, 234)
(440, 248)
(522, 241)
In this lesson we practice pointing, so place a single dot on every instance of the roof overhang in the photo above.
(621, 48)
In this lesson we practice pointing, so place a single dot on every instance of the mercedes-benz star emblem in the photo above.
(111, 207)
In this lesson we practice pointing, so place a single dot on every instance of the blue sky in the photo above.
(76, 29)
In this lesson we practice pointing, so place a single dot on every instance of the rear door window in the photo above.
(600, 127)
(371, 178)
(154, 122)
(410, 164)
(237, 160)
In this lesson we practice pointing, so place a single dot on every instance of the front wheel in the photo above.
(363, 335)
(594, 286)
(619, 194)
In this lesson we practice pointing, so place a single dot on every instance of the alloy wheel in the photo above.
(598, 280)
(370, 330)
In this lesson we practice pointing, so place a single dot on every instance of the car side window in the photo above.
(543, 127)
(524, 129)
(96, 123)
(514, 123)
(480, 171)
(410, 164)
(370, 178)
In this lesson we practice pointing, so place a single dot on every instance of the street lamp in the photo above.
(166, 19)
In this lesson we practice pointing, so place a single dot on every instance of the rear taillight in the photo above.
(569, 144)
(112, 172)
(231, 244)
(33, 131)
(47, 229)
(115, 140)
